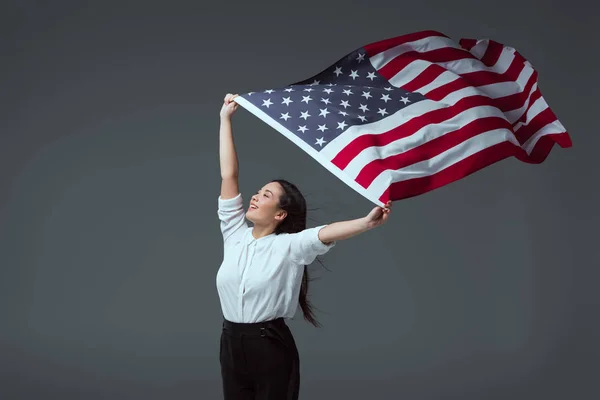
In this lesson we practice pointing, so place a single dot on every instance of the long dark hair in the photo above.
(292, 201)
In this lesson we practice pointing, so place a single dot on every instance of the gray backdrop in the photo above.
(109, 239)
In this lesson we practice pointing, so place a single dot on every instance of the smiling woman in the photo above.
(263, 276)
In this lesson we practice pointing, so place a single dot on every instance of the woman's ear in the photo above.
(280, 215)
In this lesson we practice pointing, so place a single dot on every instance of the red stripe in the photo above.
(482, 78)
(467, 44)
(505, 104)
(430, 149)
(445, 54)
(450, 87)
(532, 99)
(525, 132)
(492, 53)
(413, 187)
(378, 47)
(343, 158)
(516, 100)
(428, 75)
(544, 145)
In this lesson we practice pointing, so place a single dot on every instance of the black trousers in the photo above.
(259, 361)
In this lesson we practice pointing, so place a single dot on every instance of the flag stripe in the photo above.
(444, 160)
(420, 137)
(460, 66)
(436, 116)
(492, 53)
(542, 119)
(543, 145)
(442, 55)
(430, 149)
(428, 75)
(375, 48)
(459, 170)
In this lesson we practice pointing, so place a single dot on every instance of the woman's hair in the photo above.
(292, 201)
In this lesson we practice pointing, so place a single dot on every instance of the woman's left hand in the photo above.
(378, 215)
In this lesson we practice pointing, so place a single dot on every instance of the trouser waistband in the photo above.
(274, 328)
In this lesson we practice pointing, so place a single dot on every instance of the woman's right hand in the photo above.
(229, 106)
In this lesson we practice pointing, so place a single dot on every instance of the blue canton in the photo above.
(348, 93)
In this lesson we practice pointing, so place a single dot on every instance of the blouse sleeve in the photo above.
(305, 246)
(232, 217)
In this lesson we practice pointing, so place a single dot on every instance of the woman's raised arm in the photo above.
(227, 154)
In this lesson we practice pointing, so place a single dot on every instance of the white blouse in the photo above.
(259, 279)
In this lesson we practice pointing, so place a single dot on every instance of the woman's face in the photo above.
(264, 205)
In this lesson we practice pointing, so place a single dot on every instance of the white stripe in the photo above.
(423, 45)
(443, 79)
(537, 107)
(468, 65)
(514, 115)
(502, 89)
(493, 90)
(549, 129)
(422, 136)
(454, 68)
(480, 48)
(443, 160)
(398, 118)
(409, 73)
(308, 149)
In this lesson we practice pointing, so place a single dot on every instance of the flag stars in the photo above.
(333, 102)
(323, 112)
(360, 57)
(305, 115)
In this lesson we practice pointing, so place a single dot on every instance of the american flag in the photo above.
(406, 115)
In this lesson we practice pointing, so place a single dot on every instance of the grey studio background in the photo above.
(109, 239)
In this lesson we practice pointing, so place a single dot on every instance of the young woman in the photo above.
(263, 276)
